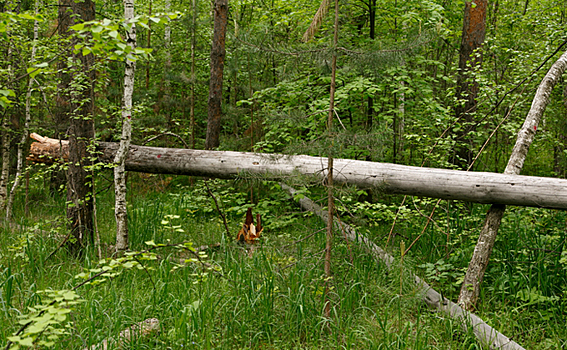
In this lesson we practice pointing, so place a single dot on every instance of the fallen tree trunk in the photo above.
(477, 187)
(482, 331)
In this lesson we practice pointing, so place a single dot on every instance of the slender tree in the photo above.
(218, 52)
(192, 97)
(149, 45)
(5, 173)
(6, 138)
(308, 35)
(120, 210)
(330, 190)
(25, 131)
(371, 4)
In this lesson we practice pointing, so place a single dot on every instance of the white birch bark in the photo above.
(25, 132)
(167, 65)
(470, 288)
(5, 174)
(167, 38)
(120, 210)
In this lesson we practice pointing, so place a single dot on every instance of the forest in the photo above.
(270, 174)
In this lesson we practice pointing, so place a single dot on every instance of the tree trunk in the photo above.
(165, 97)
(5, 173)
(81, 134)
(470, 288)
(482, 331)
(149, 45)
(193, 47)
(370, 100)
(330, 195)
(479, 187)
(474, 28)
(120, 210)
(24, 137)
(217, 67)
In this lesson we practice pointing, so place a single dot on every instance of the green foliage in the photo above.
(47, 322)
(104, 38)
(395, 99)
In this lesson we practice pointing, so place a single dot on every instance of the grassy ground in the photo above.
(274, 297)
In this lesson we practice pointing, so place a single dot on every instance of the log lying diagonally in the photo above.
(483, 332)
(480, 187)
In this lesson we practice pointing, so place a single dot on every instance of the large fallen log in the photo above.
(482, 331)
(480, 187)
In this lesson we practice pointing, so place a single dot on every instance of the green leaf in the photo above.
(8, 93)
(26, 16)
(28, 341)
(70, 295)
(78, 27)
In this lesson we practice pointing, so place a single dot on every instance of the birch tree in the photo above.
(120, 210)
(470, 288)
(5, 172)
(25, 132)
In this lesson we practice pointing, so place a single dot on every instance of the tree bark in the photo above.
(120, 210)
(470, 288)
(474, 29)
(193, 48)
(330, 194)
(217, 67)
(5, 173)
(482, 331)
(372, 24)
(25, 132)
(149, 45)
(479, 187)
(81, 133)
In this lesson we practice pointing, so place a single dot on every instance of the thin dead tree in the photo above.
(120, 210)
(470, 288)
(316, 23)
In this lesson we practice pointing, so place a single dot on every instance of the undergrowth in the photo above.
(271, 296)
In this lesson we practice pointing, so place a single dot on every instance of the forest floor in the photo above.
(272, 296)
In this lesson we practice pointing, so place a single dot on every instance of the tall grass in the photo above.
(274, 297)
